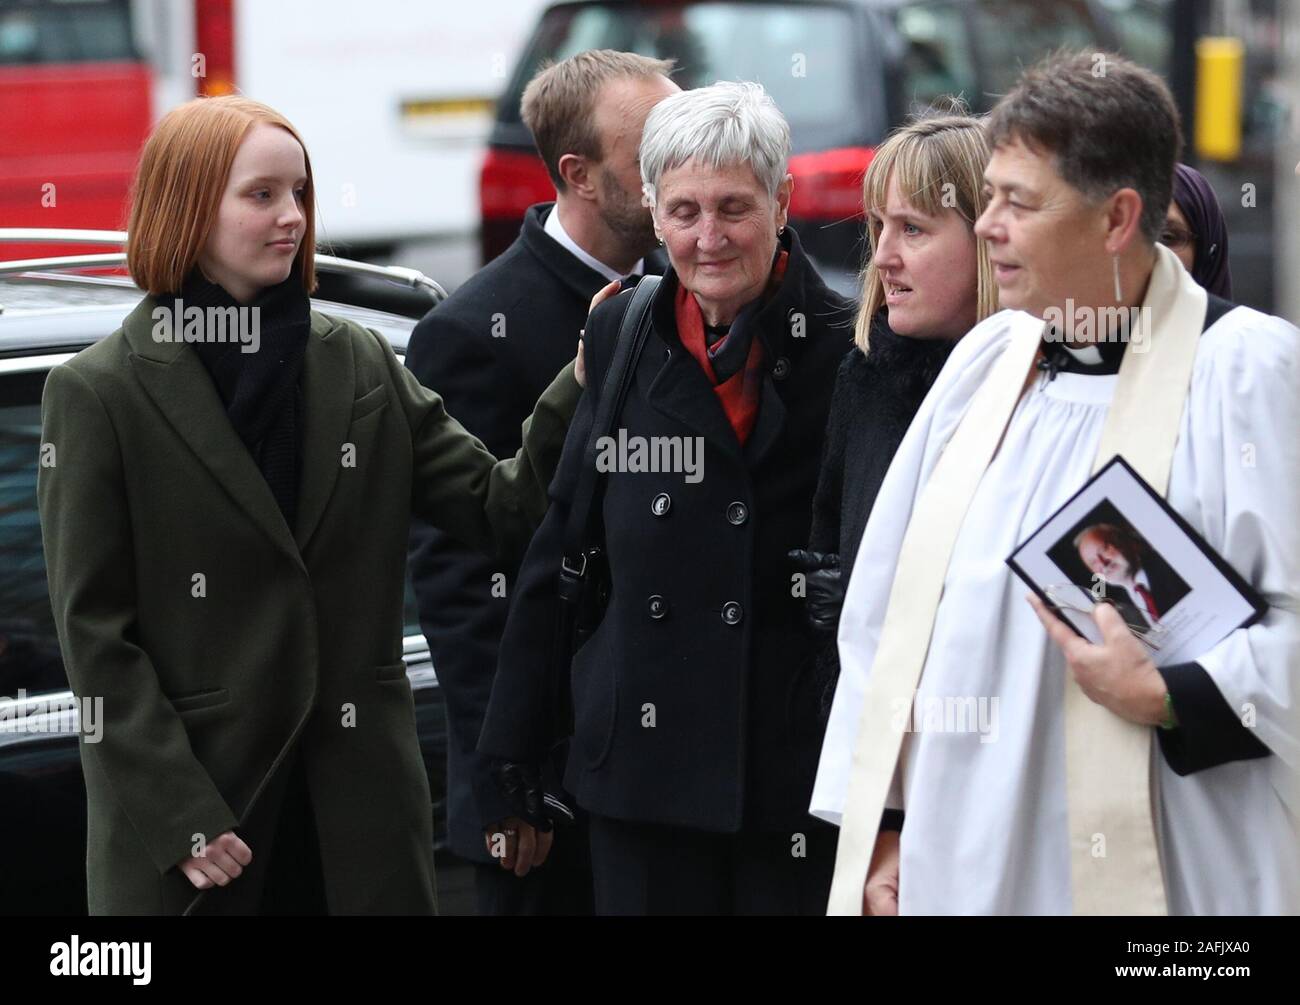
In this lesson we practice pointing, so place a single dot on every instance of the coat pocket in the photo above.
(196, 700)
(392, 671)
(373, 400)
(594, 684)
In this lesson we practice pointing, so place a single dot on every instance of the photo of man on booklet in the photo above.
(1117, 542)
(1106, 556)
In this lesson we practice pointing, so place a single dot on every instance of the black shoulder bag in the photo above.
(584, 580)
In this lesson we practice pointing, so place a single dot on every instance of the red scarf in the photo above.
(739, 394)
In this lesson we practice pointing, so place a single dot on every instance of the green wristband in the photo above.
(1170, 720)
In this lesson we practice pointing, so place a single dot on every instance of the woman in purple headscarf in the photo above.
(1196, 232)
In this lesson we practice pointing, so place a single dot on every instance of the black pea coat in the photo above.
(876, 397)
(693, 700)
(489, 350)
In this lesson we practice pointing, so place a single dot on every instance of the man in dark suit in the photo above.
(489, 350)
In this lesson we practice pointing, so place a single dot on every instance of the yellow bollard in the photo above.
(1220, 66)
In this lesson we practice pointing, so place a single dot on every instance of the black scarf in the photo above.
(728, 345)
(905, 367)
(261, 390)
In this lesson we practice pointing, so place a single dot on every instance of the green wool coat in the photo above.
(221, 640)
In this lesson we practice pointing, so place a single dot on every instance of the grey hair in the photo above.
(720, 125)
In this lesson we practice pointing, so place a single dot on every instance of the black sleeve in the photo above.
(463, 596)
(520, 723)
(825, 533)
(462, 615)
(1209, 732)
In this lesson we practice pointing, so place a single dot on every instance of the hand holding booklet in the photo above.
(1117, 541)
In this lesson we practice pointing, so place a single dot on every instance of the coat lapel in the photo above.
(328, 385)
(179, 385)
(774, 325)
(767, 429)
(581, 280)
(680, 390)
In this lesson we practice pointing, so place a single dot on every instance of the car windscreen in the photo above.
(65, 31)
(1006, 30)
(803, 54)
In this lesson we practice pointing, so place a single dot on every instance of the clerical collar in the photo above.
(1088, 355)
(1095, 359)
(555, 230)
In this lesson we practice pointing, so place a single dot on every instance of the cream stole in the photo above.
(1115, 866)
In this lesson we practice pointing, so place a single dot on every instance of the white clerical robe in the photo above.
(986, 828)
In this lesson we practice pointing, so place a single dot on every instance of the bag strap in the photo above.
(632, 333)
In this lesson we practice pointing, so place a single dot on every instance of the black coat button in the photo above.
(661, 504)
(658, 607)
(781, 368)
(732, 612)
(737, 513)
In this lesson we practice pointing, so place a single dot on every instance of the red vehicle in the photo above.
(844, 72)
(77, 98)
(76, 102)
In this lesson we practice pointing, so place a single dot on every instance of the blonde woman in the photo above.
(225, 530)
(927, 282)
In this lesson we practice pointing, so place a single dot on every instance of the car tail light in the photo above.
(214, 39)
(828, 183)
(510, 182)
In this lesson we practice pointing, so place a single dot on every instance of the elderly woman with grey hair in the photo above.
(695, 718)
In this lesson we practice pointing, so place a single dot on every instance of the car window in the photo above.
(937, 59)
(803, 54)
(1144, 31)
(29, 648)
(1011, 34)
(64, 31)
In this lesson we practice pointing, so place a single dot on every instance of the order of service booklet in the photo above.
(1117, 541)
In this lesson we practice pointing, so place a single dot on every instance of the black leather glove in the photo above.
(521, 786)
(824, 596)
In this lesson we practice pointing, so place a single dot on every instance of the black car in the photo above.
(50, 310)
(844, 73)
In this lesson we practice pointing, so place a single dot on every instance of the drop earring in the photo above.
(1119, 293)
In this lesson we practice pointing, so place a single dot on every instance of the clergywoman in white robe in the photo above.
(984, 809)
